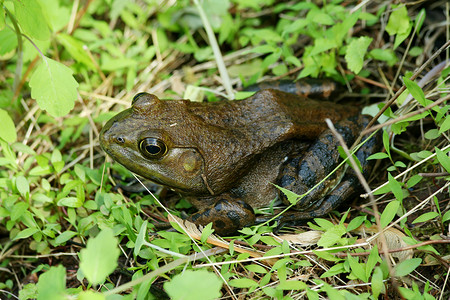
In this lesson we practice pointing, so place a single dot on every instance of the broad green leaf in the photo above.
(256, 269)
(70, 202)
(52, 284)
(355, 53)
(331, 236)
(243, 283)
(99, 258)
(387, 55)
(426, 217)
(140, 240)
(433, 133)
(25, 233)
(30, 17)
(8, 41)
(415, 91)
(357, 268)
(407, 266)
(8, 129)
(395, 187)
(372, 260)
(446, 216)
(65, 236)
(398, 21)
(2, 19)
(443, 159)
(377, 282)
(91, 295)
(18, 210)
(379, 155)
(355, 223)
(389, 213)
(445, 125)
(334, 270)
(413, 180)
(53, 87)
(186, 285)
(23, 186)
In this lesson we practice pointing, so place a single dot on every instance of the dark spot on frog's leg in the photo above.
(227, 215)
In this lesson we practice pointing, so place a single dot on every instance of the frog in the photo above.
(228, 158)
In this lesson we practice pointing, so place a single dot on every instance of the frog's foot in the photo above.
(227, 215)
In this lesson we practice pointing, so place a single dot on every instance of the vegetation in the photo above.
(68, 66)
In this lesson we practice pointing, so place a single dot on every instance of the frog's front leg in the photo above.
(226, 213)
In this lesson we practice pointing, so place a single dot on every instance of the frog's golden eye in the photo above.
(152, 148)
(137, 96)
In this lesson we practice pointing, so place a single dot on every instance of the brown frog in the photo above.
(224, 156)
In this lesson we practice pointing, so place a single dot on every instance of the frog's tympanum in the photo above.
(225, 156)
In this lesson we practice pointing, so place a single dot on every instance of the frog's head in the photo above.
(150, 139)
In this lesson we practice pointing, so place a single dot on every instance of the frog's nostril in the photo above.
(120, 139)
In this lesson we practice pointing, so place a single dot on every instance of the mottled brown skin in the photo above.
(223, 156)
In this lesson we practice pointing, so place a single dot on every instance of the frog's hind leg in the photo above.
(227, 215)
(301, 174)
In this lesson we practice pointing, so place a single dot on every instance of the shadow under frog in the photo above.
(224, 156)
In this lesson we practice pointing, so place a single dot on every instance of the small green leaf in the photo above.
(379, 155)
(389, 213)
(185, 285)
(413, 180)
(91, 295)
(65, 236)
(426, 217)
(18, 210)
(331, 236)
(70, 202)
(386, 143)
(52, 284)
(243, 283)
(398, 21)
(2, 18)
(395, 187)
(372, 260)
(23, 186)
(31, 19)
(53, 87)
(445, 125)
(256, 269)
(407, 266)
(25, 233)
(8, 42)
(433, 133)
(446, 216)
(140, 240)
(415, 91)
(377, 282)
(357, 268)
(291, 196)
(355, 53)
(7, 130)
(443, 159)
(99, 258)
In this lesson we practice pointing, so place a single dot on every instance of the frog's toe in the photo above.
(227, 216)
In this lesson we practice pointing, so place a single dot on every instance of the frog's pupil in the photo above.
(153, 149)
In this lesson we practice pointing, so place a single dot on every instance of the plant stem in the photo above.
(19, 65)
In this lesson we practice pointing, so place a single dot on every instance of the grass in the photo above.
(66, 233)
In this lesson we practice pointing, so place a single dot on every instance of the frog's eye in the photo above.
(137, 96)
(152, 148)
